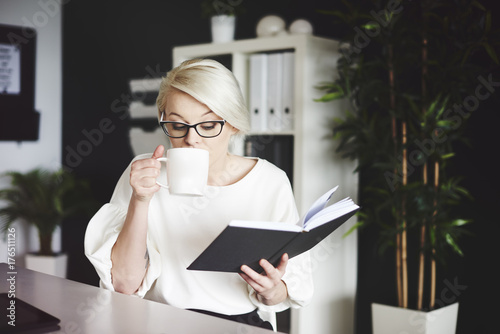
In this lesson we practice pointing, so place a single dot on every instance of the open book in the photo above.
(247, 242)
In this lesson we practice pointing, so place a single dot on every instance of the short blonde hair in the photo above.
(213, 85)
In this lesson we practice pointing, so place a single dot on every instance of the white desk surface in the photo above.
(86, 309)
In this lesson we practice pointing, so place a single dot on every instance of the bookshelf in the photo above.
(314, 165)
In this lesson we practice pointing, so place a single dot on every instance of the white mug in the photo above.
(187, 171)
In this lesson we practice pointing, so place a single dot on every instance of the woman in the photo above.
(143, 240)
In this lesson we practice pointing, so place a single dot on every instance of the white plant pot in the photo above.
(223, 27)
(397, 320)
(53, 265)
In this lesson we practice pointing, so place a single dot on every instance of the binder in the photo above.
(145, 85)
(145, 90)
(274, 91)
(144, 141)
(140, 110)
(277, 149)
(258, 91)
(288, 85)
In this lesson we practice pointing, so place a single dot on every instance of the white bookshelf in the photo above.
(316, 167)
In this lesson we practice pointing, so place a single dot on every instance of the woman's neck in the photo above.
(229, 170)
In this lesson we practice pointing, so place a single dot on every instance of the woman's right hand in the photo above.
(143, 176)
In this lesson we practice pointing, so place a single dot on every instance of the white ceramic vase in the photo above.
(397, 320)
(223, 27)
(53, 265)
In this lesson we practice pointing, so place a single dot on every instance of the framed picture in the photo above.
(19, 120)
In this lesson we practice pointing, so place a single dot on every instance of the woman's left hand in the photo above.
(270, 288)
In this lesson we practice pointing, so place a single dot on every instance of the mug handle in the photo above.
(158, 183)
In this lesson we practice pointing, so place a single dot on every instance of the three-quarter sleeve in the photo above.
(102, 233)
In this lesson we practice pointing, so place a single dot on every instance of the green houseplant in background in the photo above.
(413, 72)
(43, 199)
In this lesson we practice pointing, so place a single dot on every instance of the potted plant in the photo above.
(43, 199)
(413, 73)
(222, 14)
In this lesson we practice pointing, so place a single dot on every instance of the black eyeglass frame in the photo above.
(189, 126)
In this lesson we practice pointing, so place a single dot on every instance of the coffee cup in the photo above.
(187, 171)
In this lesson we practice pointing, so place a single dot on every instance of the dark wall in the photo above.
(106, 43)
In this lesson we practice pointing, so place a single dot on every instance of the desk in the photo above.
(86, 309)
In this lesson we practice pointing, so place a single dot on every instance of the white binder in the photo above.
(274, 92)
(288, 84)
(145, 141)
(258, 91)
(141, 110)
(145, 85)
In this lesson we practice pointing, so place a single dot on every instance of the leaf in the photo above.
(453, 244)
(490, 52)
(352, 229)
(330, 97)
(371, 25)
(466, 56)
(487, 24)
(447, 156)
(444, 124)
(463, 192)
(478, 5)
(460, 222)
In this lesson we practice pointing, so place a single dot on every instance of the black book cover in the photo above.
(247, 242)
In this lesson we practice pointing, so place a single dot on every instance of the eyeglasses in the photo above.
(207, 129)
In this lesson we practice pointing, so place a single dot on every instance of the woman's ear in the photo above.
(232, 129)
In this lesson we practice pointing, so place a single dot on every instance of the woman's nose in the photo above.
(192, 137)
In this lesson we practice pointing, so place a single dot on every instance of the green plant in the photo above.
(44, 199)
(211, 8)
(413, 73)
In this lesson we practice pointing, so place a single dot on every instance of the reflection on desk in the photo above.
(87, 309)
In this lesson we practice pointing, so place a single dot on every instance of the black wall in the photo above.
(106, 43)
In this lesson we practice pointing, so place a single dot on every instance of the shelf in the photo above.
(272, 133)
(247, 46)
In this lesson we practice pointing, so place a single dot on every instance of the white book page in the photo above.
(332, 212)
(318, 206)
(276, 226)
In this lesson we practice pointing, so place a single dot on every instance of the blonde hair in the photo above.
(213, 85)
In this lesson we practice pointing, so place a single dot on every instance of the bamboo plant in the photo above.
(43, 199)
(409, 70)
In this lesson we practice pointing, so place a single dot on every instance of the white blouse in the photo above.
(180, 228)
